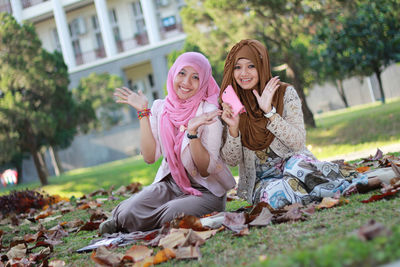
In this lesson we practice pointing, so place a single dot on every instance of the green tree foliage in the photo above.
(95, 93)
(361, 42)
(284, 26)
(36, 109)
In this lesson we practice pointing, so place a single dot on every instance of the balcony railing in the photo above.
(6, 7)
(29, 3)
(132, 43)
(170, 31)
(90, 56)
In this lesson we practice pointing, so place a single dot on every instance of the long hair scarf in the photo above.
(252, 125)
(178, 112)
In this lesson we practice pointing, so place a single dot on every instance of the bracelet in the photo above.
(143, 113)
(192, 136)
(271, 113)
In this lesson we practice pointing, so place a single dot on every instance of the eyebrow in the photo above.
(186, 70)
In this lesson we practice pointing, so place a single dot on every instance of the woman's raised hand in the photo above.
(203, 119)
(265, 100)
(227, 116)
(136, 100)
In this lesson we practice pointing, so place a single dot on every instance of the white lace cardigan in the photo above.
(290, 139)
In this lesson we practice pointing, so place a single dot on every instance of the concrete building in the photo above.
(129, 38)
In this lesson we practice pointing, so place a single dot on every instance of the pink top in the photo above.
(220, 179)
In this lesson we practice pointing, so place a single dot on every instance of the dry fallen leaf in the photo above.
(18, 251)
(56, 263)
(138, 253)
(328, 202)
(163, 256)
(173, 239)
(263, 219)
(192, 252)
(105, 257)
(371, 230)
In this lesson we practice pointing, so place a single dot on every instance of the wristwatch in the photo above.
(192, 136)
(271, 113)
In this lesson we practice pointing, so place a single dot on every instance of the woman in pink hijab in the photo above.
(185, 129)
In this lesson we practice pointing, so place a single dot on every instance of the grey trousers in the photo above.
(162, 202)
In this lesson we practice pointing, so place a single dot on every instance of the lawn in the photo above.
(327, 238)
(355, 129)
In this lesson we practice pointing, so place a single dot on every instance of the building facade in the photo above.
(129, 38)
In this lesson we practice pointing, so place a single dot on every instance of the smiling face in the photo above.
(186, 83)
(245, 73)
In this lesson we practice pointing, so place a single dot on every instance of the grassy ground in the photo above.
(326, 239)
(354, 129)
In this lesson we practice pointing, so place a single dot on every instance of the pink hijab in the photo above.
(178, 112)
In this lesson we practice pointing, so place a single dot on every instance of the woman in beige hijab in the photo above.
(268, 140)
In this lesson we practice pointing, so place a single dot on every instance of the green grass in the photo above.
(355, 129)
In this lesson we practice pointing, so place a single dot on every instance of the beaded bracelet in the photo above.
(143, 113)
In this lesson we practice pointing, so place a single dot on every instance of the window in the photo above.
(56, 40)
(169, 23)
(138, 17)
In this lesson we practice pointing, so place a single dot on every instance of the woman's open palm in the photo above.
(136, 100)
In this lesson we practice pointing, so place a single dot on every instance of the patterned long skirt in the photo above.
(299, 179)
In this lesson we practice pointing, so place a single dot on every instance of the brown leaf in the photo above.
(206, 234)
(145, 263)
(41, 255)
(378, 155)
(371, 230)
(187, 252)
(328, 202)
(191, 222)
(105, 257)
(56, 233)
(395, 168)
(175, 238)
(101, 192)
(232, 218)
(72, 224)
(56, 263)
(163, 256)
(388, 194)
(97, 215)
(263, 219)
(260, 206)
(235, 222)
(90, 226)
(18, 251)
(192, 238)
(138, 253)
(134, 187)
(363, 169)
(33, 237)
(293, 214)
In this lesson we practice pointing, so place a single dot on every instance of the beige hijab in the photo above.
(252, 126)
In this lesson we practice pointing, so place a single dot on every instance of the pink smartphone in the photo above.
(229, 96)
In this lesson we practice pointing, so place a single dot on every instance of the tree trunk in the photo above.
(43, 162)
(36, 155)
(55, 160)
(340, 90)
(307, 114)
(40, 167)
(378, 75)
